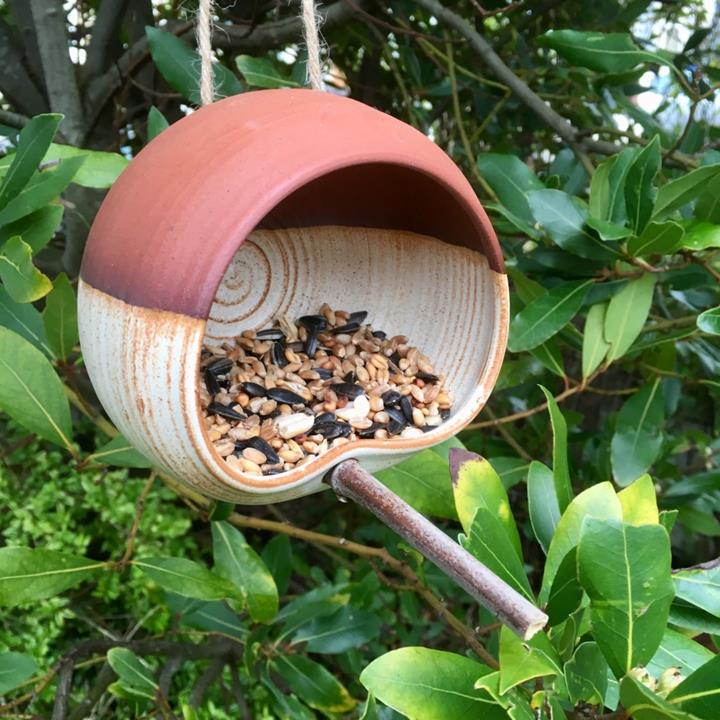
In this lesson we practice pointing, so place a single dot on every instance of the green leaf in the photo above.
(41, 190)
(34, 140)
(511, 180)
(156, 123)
(523, 660)
(709, 321)
(488, 541)
(625, 570)
(700, 235)
(600, 190)
(133, 672)
(262, 72)
(15, 669)
(609, 230)
(179, 64)
(677, 193)
(31, 392)
(287, 706)
(513, 702)
(239, 563)
(347, 628)
(23, 281)
(547, 315)
(604, 52)
(550, 356)
(678, 651)
(565, 593)
(425, 684)
(542, 503)
(29, 575)
(278, 556)
(641, 703)
(25, 320)
(626, 315)
(658, 238)
(599, 501)
(637, 439)
(476, 485)
(595, 347)
(188, 578)
(60, 317)
(313, 684)
(564, 218)
(119, 453)
(586, 675)
(639, 503)
(561, 470)
(99, 170)
(700, 586)
(36, 229)
(639, 185)
(699, 693)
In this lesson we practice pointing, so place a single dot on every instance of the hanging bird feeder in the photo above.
(269, 204)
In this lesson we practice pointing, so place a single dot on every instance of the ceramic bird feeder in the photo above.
(269, 203)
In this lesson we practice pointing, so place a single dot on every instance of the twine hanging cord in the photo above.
(312, 42)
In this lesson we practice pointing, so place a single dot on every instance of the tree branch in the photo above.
(59, 70)
(107, 22)
(13, 119)
(22, 15)
(15, 82)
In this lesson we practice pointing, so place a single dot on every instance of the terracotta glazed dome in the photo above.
(277, 201)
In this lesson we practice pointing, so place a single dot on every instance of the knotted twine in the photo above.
(203, 31)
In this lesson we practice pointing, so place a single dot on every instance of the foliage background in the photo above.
(545, 130)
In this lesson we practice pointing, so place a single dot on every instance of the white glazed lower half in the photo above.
(144, 363)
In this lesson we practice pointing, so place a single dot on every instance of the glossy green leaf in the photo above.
(287, 706)
(513, 702)
(511, 180)
(640, 187)
(156, 123)
(547, 315)
(42, 189)
(709, 321)
(605, 52)
(561, 470)
(15, 669)
(33, 141)
(565, 593)
(99, 169)
(30, 390)
(550, 356)
(699, 693)
(700, 586)
(476, 485)
(133, 671)
(36, 229)
(313, 684)
(564, 219)
(641, 703)
(542, 503)
(607, 230)
(626, 315)
(60, 317)
(678, 651)
(30, 575)
(213, 616)
(639, 502)
(277, 554)
(488, 542)
(693, 619)
(25, 320)
(119, 453)
(675, 194)
(586, 675)
(523, 660)
(425, 684)
(188, 578)
(637, 439)
(179, 64)
(262, 72)
(595, 347)
(625, 570)
(700, 235)
(599, 501)
(658, 238)
(23, 281)
(239, 563)
(347, 628)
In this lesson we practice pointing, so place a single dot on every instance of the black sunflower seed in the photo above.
(369, 432)
(379, 334)
(325, 417)
(406, 407)
(351, 327)
(216, 408)
(277, 353)
(220, 366)
(358, 316)
(211, 383)
(350, 377)
(257, 443)
(395, 358)
(332, 430)
(426, 377)
(391, 398)
(324, 373)
(347, 389)
(398, 421)
(313, 323)
(283, 395)
(253, 389)
(270, 334)
(444, 414)
(311, 344)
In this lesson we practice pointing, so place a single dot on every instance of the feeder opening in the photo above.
(284, 379)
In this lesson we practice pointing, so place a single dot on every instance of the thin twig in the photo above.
(139, 507)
